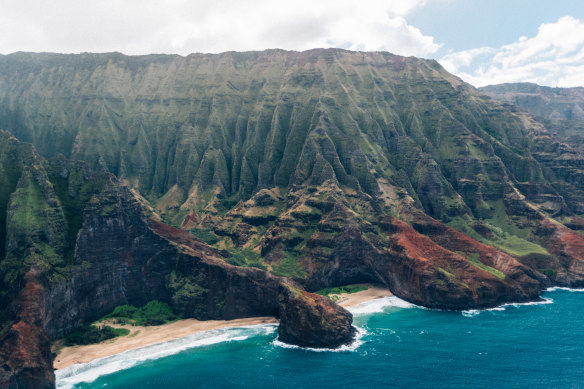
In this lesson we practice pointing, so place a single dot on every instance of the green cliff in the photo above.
(226, 184)
(561, 110)
(271, 155)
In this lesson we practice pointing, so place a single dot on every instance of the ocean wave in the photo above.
(556, 288)
(474, 312)
(379, 305)
(89, 372)
(361, 332)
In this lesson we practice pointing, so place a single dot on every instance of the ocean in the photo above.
(533, 345)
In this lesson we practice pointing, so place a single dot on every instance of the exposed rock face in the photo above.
(311, 320)
(120, 257)
(204, 131)
(25, 349)
(325, 167)
(117, 260)
(566, 267)
(448, 270)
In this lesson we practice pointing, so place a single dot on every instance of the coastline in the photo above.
(142, 336)
(372, 293)
(248, 353)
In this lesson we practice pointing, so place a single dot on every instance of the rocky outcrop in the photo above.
(125, 260)
(448, 270)
(206, 287)
(122, 258)
(311, 320)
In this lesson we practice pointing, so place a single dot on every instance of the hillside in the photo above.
(78, 244)
(561, 110)
(257, 175)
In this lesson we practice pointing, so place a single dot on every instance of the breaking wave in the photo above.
(345, 348)
(89, 372)
(474, 312)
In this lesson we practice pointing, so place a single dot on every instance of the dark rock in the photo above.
(312, 320)
(122, 258)
(25, 350)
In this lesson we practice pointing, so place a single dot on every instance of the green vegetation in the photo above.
(11, 170)
(343, 289)
(333, 151)
(152, 314)
(205, 235)
(502, 236)
(476, 262)
(551, 273)
(517, 246)
(245, 258)
(29, 205)
(289, 267)
(90, 334)
(185, 290)
(446, 273)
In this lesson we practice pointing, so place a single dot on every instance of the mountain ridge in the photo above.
(326, 121)
(561, 110)
(328, 167)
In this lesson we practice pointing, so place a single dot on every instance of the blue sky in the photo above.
(491, 33)
(467, 24)
(481, 41)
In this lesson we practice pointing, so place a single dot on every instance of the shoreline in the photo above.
(372, 293)
(142, 336)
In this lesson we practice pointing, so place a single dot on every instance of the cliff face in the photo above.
(235, 184)
(120, 257)
(25, 348)
(561, 110)
(200, 133)
(301, 315)
(281, 153)
(544, 102)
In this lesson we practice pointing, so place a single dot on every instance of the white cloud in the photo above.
(183, 26)
(554, 57)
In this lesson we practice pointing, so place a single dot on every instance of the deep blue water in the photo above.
(523, 346)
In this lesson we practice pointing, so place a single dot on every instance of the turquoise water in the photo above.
(403, 346)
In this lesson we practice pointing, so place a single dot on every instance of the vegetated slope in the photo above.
(300, 163)
(327, 166)
(542, 101)
(78, 244)
(561, 110)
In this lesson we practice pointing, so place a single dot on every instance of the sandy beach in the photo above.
(144, 336)
(374, 292)
(141, 336)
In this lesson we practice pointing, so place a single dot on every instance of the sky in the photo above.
(483, 42)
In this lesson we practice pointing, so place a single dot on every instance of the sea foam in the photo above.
(345, 348)
(545, 300)
(556, 288)
(368, 307)
(474, 312)
(89, 372)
